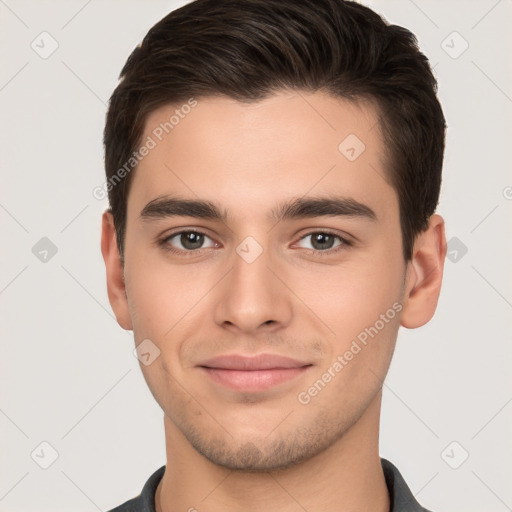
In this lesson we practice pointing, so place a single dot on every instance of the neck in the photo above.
(346, 477)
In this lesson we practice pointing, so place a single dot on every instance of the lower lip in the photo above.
(253, 380)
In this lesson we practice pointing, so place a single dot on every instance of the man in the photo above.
(273, 169)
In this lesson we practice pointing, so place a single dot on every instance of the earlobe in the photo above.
(424, 275)
(114, 270)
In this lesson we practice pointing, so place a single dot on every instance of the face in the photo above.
(275, 307)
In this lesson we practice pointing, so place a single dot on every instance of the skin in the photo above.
(234, 450)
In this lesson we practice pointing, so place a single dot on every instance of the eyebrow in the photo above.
(297, 208)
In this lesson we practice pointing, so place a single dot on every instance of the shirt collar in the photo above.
(401, 497)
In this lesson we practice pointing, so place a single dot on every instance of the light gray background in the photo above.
(68, 375)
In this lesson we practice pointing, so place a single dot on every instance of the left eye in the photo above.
(321, 241)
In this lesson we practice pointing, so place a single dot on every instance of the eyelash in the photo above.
(187, 253)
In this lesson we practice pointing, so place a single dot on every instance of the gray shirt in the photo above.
(401, 497)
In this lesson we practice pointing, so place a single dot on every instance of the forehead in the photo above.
(249, 156)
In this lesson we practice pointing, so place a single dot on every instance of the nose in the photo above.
(253, 297)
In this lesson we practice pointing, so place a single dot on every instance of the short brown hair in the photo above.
(248, 49)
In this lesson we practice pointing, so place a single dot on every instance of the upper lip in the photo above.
(256, 362)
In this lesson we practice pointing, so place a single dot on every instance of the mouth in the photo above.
(254, 373)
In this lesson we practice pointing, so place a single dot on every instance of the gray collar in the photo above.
(401, 497)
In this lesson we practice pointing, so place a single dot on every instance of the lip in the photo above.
(253, 373)
(252, 363)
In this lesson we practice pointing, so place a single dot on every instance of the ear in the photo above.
(424, 275)
(115, 274)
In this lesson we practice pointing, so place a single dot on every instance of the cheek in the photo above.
(349, 299)
(163, 297)
(363, 311)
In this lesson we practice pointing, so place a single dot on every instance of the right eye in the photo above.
(190, 241)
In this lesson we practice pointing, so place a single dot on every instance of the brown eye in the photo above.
(191, 240)
(187, 241)
(323, 241)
